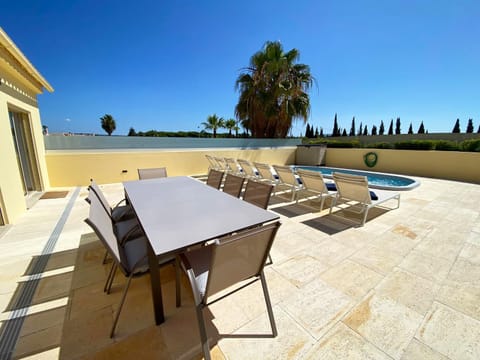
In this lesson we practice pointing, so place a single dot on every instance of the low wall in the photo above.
(77, 167)
(452, 165)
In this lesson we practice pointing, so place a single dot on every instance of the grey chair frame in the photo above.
(130, 257)
(215, 178)
(152, 173)
(221, 265)
(233, 185)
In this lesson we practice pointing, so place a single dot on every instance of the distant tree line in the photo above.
(392, 129)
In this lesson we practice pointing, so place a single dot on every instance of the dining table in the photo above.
(176, 213)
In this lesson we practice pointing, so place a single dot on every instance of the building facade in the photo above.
(23, 170)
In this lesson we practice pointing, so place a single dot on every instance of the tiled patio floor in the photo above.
(404, 286)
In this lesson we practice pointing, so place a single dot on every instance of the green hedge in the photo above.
(472, 145)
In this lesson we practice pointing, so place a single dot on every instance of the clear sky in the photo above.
(167, 65)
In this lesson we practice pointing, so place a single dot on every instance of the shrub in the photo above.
(470, 145)
(380, 145)
(415, 145)
(339, 144)
(446, 145)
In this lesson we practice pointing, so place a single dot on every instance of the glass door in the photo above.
(22, 138)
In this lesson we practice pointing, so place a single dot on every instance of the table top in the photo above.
(177, 212)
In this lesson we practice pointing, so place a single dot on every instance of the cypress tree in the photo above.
(365, 131)
(456, 128)
(307, 130)
(316, 132)
(478, 131)
(321, 132)
(336, 130)
(470, 126)
(381, 130)
(344, 133)
(374, 130)
(410, 129)
(390, 129)
(360, 130)
(352, 129)
(397, 126)
(421, 129)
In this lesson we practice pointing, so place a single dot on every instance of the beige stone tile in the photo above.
(451, 333)
(426, 266)
(88, 334)
(317, 307)
(417, 350)
(343, 343)
(146, 344)
(410, 290)
(464, 297)
(352, 279)
(443, 245)
(43, 320)
(331, 252)
(38, 342)
(385, 323)
(474, 237)
(465, 272)
(288, 244)
(300, 269)
(278, 287)
(377, 259)
(397, 243)
(250, 342)
(471, 253)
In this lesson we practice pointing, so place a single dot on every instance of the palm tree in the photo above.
(213, 123)
(108, 124)
(230, 124)
(273, 91)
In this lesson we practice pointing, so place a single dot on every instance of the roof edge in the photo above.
(22, 59)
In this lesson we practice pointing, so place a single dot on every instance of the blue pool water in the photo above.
(375, 180)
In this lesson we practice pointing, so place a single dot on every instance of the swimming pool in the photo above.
(375, 180)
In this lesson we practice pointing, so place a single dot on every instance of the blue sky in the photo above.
(168, 65)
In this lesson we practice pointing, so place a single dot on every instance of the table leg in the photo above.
(156, 285)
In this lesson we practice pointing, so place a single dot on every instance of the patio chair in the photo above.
(152, 173)
(215, 178)
(117, 212)
(222, 165)
(266, 173)
(233, 184)
(216, 267)
(232, 166)
(353, 190)
(248, 170)
(258, 193)
(130, 258)
(287, 177)
(314, 183)
(212, 162)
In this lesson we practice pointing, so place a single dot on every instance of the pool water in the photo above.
(375, 180)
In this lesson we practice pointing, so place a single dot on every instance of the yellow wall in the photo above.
(453, 165)
(10, 180)
(105, 166)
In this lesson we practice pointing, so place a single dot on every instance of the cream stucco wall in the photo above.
(10, 180)
(78, 167)
(453, 165)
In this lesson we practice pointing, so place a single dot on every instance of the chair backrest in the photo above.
(212, 162)
(232, 165)
(258, 193)
(239, 257)
(214, 178)
(233, 185)
(152, 173)
(222, 165)
(99, 220)
(313, 180)
(352, 187)
(286, 175)
(95, 191)
(265, 171)
(247, 168)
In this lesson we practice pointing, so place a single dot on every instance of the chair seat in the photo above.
(122, 212)
(127, 229)
(136, 256)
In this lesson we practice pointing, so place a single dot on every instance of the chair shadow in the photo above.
(330, 224)
(292, 210)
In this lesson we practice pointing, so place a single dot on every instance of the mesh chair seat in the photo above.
(152, 173)
(215, 178)
(233, 185)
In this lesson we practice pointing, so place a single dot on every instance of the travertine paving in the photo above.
(404, 286)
